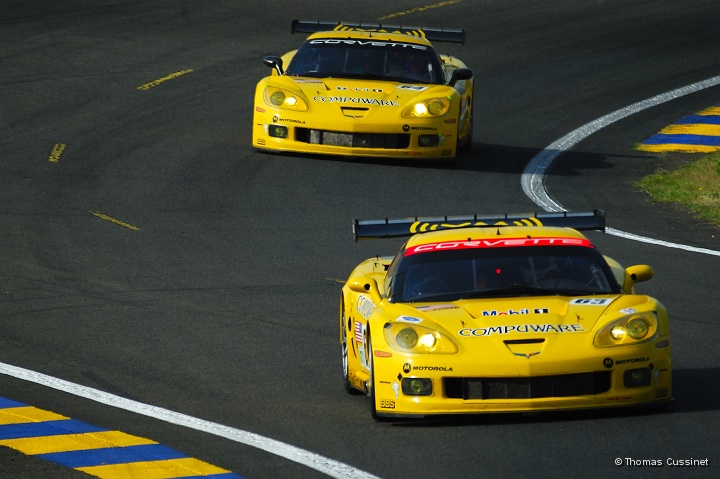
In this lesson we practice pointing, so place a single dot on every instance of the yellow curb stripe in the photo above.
(113, 220)
(692, 129)
(154, 469)
(74, 442)
(662, 148)
(713, 110)
(22, 415)
(155, 83)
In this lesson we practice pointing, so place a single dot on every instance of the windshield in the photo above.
(351, 58)
(502, 272)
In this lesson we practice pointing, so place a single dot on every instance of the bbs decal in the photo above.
(387, 404)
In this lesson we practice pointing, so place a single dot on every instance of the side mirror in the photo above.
(366, 285)
(460, 74)
(636, 274)
(274, 62)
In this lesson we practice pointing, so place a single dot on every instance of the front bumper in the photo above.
(640, 375)
(416, 139)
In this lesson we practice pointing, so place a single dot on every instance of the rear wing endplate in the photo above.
(450, 35)
(394, 228)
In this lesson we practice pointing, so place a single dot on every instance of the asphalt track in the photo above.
(157, 258)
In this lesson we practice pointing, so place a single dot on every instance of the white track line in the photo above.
(533, 178)
(314, 461)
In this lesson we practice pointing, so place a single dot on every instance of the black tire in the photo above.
(344, 351)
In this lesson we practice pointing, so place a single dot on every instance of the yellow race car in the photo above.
(504, 313)
(362, 90)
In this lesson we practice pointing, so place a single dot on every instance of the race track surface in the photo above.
(147, 251)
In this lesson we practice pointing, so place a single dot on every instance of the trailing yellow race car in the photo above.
(503, 313)
(366, 90)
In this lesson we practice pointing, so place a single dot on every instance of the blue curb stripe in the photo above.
(663, 139)
(47, 428)
(8, 403)
(113, 455)
(699, 120)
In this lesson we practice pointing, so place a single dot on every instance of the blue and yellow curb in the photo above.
(697, 133)
(96, 451)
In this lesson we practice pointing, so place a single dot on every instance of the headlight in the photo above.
(434, 107)
(417, 339)
(285, 99)
(631, 329)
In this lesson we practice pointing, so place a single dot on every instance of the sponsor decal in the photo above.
(364, 306)
(387, 404)
(372, 43)
(422, 128)
(628, 311)
(412, 87)
(608, 362)
(541, 311)
(277, 119)
(356, 100)
(407, 368)
(632, 361)
(522, 328)
(396, 389)
(408, 319)
(374, 90)
(436, 307)
(506, 313)
(495, 243)
(591, 301)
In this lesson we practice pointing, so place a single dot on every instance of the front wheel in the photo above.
(344, 347)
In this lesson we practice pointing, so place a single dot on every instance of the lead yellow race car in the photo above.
(366, 90)
(503, 313)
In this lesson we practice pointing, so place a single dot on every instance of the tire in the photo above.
(344, 351)
(371, 383)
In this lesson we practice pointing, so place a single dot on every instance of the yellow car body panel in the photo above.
(508, 352)
(353, 113)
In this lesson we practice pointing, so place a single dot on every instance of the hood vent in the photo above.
(354, 112)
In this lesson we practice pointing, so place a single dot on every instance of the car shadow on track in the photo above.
(480, 157)
(695, 390)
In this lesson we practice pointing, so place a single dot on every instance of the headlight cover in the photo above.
(631, 329)
(284, 99)
(431, 108)
(413, 338)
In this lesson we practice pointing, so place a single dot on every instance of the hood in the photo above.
(522, 317)
(357, 98)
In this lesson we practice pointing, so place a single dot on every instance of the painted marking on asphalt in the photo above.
(698, 133)
(419, 9)
(93, 450)
(56, 151)
(113, 220)
(314, 461)
(155, 83)
(533, 177)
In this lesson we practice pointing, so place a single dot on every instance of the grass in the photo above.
(695, 185)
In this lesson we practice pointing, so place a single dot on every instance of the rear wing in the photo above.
(394, 228)
(450, 35)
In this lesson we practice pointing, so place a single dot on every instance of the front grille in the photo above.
(354, 140)
(582, 384)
